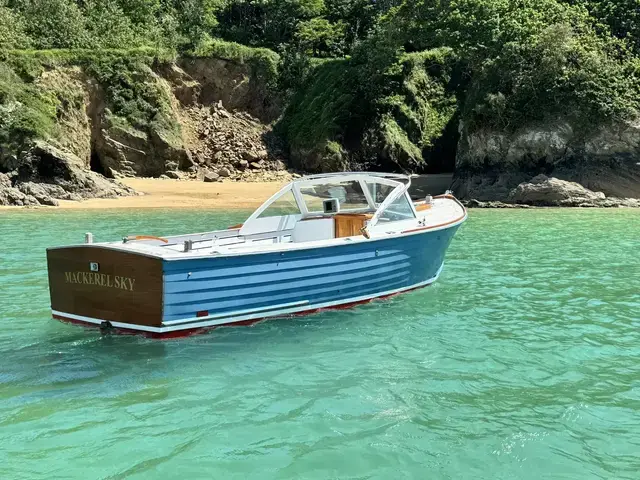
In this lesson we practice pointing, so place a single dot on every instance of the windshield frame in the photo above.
(401, 184)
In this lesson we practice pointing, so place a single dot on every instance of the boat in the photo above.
(321, 242)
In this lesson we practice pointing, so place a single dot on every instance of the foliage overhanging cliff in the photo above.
(366, 83)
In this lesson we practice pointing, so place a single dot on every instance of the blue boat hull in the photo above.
(222, 290)
(166, 298)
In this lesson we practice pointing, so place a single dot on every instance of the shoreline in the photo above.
(155, 193)
(175, 194)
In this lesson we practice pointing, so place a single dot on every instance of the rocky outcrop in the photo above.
(543, 191)
(13, 196)
(122, 150)
(46, 174)
(491, 164)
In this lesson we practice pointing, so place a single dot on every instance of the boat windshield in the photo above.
(399, 209)
(349, 194)
(383, 198)
(284, 205)
(379, 191)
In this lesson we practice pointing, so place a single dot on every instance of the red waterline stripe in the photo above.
(200, 330)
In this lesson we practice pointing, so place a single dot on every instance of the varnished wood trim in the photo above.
(431, 227)
(127, 287)
(422, 207)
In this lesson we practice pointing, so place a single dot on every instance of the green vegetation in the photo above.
(379, 79)
(30, 108)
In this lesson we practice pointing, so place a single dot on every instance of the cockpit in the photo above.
(325, 207)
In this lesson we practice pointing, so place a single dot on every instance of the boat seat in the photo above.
(313, 229)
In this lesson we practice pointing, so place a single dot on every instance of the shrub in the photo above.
(54, 23)
(12, 30)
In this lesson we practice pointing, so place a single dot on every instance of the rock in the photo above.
(187, 161)
(473, 203)
(10, 196)
(172, 165)
(184, 87)
(224, 172)
(256, 165)
(73, 197)
(211, 177)
(163, 177)
(242, 164)
(490, 163)
(5, 181)
(41, 193)
(544, 191)
(173, 174)
(9, 163)
(62, 174)
(254, 156)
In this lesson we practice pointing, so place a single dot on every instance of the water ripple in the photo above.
(521, 362)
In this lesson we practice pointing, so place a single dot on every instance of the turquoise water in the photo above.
(522, 362)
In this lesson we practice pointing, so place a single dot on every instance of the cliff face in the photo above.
(210, 118)
(491, 164)
(150, 120)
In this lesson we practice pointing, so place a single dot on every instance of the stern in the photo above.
(107, 287)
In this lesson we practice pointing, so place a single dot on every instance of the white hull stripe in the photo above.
(234, 314)
(241, 316)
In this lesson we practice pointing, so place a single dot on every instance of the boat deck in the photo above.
(442, 212)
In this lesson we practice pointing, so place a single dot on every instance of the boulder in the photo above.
(545, 191)
(173, 174)
(10, 196)
(41, 193)
(325, 157)
(224, 172)
(187, 161)
(211, 177)
(171, 165)
(60, 174)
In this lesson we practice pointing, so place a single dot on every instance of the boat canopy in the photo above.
(382, 195)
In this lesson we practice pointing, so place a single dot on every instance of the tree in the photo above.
(319, 37)
(53, 23)
(108, 26)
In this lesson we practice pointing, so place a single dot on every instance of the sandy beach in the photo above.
(156, 193)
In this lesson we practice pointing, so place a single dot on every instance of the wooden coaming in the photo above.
(127, 287)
